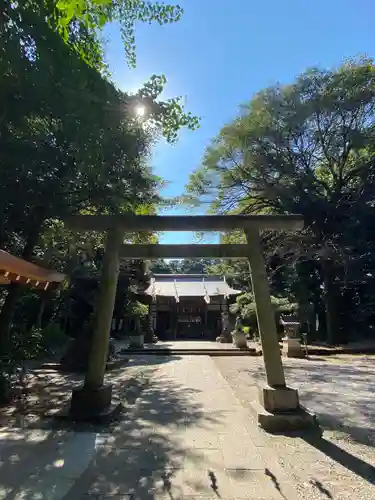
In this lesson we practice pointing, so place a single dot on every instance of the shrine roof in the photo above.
(189, 285)
(14, 269)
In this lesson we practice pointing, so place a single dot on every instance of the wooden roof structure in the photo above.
(189, 285)
(16, 270)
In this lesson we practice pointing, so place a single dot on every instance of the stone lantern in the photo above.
(292, 347)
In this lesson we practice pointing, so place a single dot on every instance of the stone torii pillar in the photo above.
(93, 400)
(278, 408)
(264, 310)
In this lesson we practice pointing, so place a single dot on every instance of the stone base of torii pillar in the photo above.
(278, 410)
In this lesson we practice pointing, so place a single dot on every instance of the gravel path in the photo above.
(340, 390)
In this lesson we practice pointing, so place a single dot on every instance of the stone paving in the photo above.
(185, 437)
(189, 345)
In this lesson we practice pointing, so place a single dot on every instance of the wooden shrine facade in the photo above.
(189, 306)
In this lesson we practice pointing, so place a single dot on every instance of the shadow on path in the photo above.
(148, 453)
(347, 460)
(140, 455)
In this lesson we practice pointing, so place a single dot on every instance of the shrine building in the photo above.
(189, 306)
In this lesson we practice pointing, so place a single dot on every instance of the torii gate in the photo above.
(278, 408)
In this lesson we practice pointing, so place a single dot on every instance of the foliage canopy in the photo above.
(306, 148)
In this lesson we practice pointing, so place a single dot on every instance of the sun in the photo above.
(140, 111)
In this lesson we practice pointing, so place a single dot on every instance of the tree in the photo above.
(161, 266)
(305, 148)
(53, 161)
(95, 15)
(79, 25)
(236, 271)
(183, 266)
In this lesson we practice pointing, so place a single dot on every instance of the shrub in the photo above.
(24, 345)
(53, 338)
(139, 309)
(246, 309)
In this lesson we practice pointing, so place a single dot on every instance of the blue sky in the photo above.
(222, 52)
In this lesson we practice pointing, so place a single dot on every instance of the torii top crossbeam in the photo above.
(136, 223)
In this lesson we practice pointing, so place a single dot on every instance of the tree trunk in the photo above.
(42, 307)
(14, 289)
(330, 301)
(312, 334)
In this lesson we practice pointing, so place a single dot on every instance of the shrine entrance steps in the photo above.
(189, 347)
